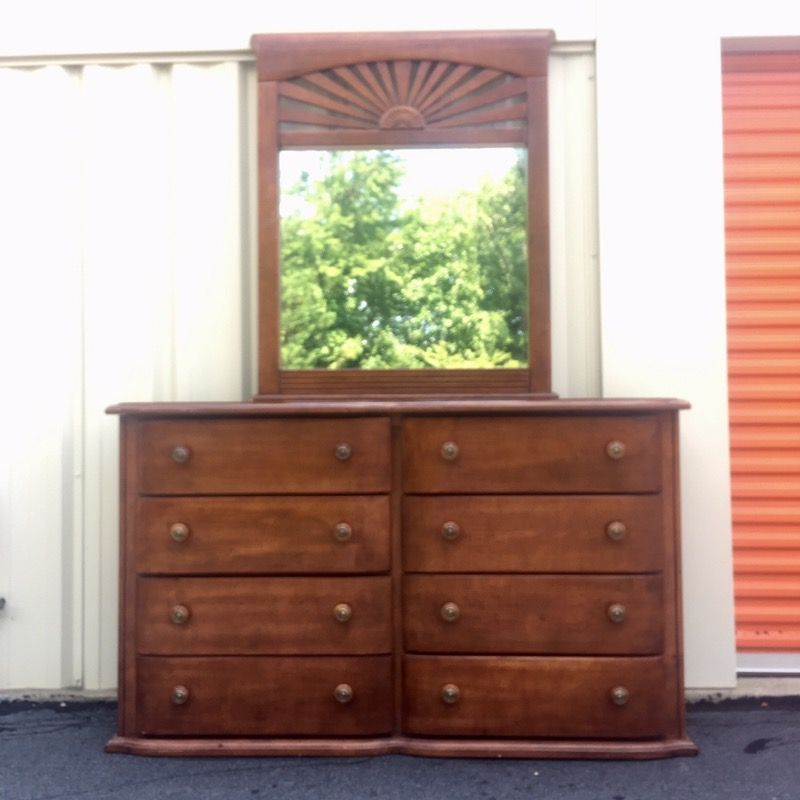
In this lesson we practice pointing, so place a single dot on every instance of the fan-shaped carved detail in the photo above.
(386, 95)
(401, 117)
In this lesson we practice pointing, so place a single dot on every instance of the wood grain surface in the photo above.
(237, 616)
(535, 454)
(523, 533)
(263, 535)
(240, 456)
(250, 696)
(537, 697)
(557, 614)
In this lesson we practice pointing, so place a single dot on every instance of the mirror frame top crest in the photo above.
(377, 90)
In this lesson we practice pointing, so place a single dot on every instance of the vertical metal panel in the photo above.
(126, 273)
(762, 164)
(166, 259)
(127, 202)
(39, 321)
(574, 283)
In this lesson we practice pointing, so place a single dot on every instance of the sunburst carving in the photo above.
(401, 117)
(403, 94)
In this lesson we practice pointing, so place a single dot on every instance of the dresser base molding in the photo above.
(401, 745)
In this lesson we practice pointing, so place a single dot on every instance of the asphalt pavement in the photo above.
(749, 750)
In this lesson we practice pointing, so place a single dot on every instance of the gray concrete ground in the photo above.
(750, 750)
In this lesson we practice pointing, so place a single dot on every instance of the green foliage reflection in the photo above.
(371, 280)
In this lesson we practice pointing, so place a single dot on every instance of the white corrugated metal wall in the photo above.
(127, 258)
(126, 199)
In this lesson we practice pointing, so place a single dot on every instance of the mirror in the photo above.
(403, 221)
(404, 258)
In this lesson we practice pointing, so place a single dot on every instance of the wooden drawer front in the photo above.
(244, 696)
(281, 616)
(523, 454)
(263, 534)
(264, 456)
(513, 533)
(539, 697)
(558, 614)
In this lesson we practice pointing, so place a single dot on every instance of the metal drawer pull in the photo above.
(179, 614)
(343, 693)
(450, 531)
(179, 532)
(181, 453)
(450, 693)
(450, 612)
(449, 451)
(616, 530)
(615, 450)
(343, 451)
(620, 696)
(616, 612)
(342, 532)
(342, 612)
(180, 694)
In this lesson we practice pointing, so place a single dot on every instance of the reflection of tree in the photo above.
(368, 282)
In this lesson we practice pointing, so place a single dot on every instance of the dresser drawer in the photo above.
(557, 614)
(263, 696)
(300, 534)
(264, 456)
(541, 697)
(556, 454)
(518, 533)
(281, 616)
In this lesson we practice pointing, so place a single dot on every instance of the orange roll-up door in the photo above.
(761, 115)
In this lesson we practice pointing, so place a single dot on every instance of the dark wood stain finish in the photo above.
(556, 614)
(538, 454)
(283, 566)
(242, 535)
(270, 696)
(532, 533)
(533, 571)
(234, 616)
(403, 90)
(236, 456)
(542, 698)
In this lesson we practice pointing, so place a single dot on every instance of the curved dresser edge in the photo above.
(405, 745)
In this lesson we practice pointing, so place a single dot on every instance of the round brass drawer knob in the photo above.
(179, 614)
(343, 451)
(342, 612)
(450, 531)
(449, 451)
(450, 693)
(179, 532)
(615, 450)
(342, 532)
(181, 453)
(616, 612)
(343, 693)
(620, 696)
(450, 612)
(180, 694)
(616, 530)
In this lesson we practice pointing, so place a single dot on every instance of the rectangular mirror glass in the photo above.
(404, 258)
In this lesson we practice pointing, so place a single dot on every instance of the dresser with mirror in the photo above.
(405, 542)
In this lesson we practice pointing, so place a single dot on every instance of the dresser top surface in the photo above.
(415, 407)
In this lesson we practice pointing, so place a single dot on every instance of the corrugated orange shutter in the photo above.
(762, 195)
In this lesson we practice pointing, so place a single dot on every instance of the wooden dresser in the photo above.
(446, 577)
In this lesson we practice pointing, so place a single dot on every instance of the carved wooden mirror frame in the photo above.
(494, 92)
